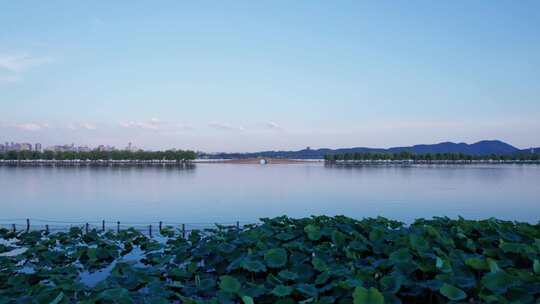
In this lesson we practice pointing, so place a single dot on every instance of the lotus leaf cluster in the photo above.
(281, 260)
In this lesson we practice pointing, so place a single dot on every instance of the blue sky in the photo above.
(257, 75)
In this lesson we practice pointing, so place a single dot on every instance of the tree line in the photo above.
(405, 155)
(179, 155)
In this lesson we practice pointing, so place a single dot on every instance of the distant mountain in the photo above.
(484, 147)
(531, 150)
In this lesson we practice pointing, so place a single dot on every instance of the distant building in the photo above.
(2, 149)
(83, 149)
(37, 147)
(103, 148)
(25, 147)
(130, 147)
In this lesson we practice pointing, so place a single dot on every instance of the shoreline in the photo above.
(256, 161)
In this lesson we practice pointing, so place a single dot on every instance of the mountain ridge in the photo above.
(480, 148)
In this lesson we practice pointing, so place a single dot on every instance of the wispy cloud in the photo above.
(152, 124)
(12, 66)
(155, 124)
(225, 126)
(19, 63)
(82, 125)
(273, 126)
(31, 126)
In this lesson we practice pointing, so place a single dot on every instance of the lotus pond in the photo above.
(282, 260)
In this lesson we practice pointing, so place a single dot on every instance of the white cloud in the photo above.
(225, 126)
(272, 125)
(12, 66)
(182, 126)
(31, 126)
(82, 125)
(155, 125)
(20, 63)
(152, 124)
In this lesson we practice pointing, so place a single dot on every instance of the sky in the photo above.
(269, 75)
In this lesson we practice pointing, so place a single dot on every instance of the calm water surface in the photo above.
(227, 192)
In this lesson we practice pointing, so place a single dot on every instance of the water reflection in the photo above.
(227, 192)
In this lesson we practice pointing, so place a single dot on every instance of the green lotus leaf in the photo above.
(513, 247)
(275, 258)
(443, 264)
(477, 263)
(418, 243)
(498, 282)
(229, 284)
(282, 291)
(319, 264)
(338, 238)
(493, 266)
(307, 289)
(247, 300)
(362, 295)
(400, 256)
(285, 236)
(226, 247)
(115, 295)
(376, 234)
(285, 301)
(58, 298)
(392, 283)
(254, 290)
(287, 275)
(313, 232)
(492, 261)
(322, 278)
(453, 293)
(358, 246)
(254, 266)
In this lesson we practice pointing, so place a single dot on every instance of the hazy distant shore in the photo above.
(252, 161)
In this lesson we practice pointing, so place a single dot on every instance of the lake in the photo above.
(228, 192)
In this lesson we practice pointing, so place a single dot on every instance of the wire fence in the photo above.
(149, 228)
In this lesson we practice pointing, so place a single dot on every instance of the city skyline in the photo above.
(250, 76)
(25, 146)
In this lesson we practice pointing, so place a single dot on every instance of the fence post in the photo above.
(103, 226)
(14, 228)
(150, 230)
(27, 225)
(160, 226)
(118, 227)
(86, 228)
(47, 228)
(183, 231)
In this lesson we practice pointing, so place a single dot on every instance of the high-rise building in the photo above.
(25, 147)
(38, 147)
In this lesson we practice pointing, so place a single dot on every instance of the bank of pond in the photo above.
(97, 155)
(405, 156)
(280, 260)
